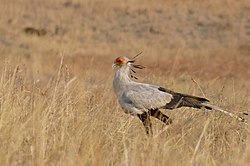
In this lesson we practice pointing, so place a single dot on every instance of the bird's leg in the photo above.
(145, 118)
(159, 115)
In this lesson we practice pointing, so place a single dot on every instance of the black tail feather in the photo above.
(182, 100)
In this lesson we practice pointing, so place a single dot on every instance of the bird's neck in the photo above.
(121, 80)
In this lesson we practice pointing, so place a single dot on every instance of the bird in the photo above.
(146, 100)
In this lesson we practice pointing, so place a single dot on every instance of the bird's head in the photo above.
(124, 61)
(121, 61)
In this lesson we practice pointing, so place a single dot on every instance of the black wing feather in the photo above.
(184, 100)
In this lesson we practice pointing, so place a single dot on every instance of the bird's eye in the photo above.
(118, 60)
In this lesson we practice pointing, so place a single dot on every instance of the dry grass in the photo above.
(62, 111)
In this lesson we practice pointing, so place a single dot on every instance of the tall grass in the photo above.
(69, 122)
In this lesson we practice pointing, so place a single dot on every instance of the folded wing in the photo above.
(146, 97)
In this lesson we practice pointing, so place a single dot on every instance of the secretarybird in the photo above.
(145, 100)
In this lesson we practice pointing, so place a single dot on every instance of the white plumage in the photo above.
(145, 100)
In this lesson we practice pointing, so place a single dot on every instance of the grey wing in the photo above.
(145, 97)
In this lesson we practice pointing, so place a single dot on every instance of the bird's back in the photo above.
(144, 97)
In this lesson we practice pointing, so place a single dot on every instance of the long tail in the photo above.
(183, 100)
(215, 108)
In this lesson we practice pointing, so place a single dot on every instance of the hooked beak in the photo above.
(114, 65)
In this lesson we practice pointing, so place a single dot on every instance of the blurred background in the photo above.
(212, 37)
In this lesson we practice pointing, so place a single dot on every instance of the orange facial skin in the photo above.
(119, 61)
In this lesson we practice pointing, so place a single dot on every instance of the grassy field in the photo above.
(57, 106)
